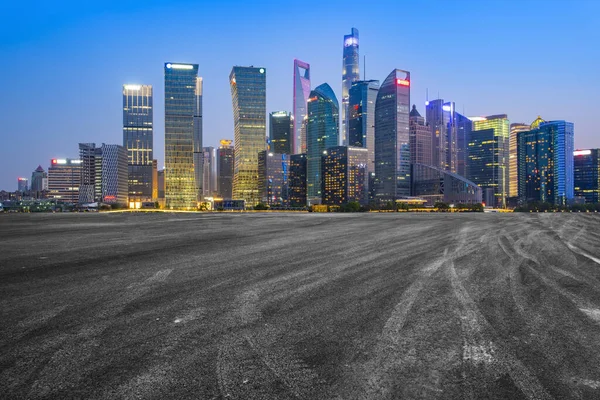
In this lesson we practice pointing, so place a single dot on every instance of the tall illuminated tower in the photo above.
(350, 73)
(441, 119)
(513, 177)
(392, 137)
(301, 93)
(138, 140)
(249, 100)
(183, 136)
(361, 118)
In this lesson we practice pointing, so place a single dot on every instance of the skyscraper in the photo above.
(487, 163)
(587, 175)
(545, 162)
(183, 136)
(441, 118)
(273, 172)
(138, 140)
(420, 139)
(90, 187)
(301, 93)
(464, 126)
(345, 175)
(249, 98)
(361, 118)
(22, 184)
(225, 157)
(513, 176)
(297, 181)
(39, 180)
(350, 74)
(280, 132)
(322, 131)
(392, 141)
(104, 175)
(209, 170)
(64, 176)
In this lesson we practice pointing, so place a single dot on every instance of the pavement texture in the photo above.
(300, 306)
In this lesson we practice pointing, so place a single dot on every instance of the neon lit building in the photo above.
(361, 118)
(64, 177)
(280, 132)
(322, 132)
(513, 175)
(183, 136)
(350, 74)
(301, 94)
(249, 98)
(487, 163)
(420, 139)
(392, 138)
(138, 140)
(587, 174)
(345, 175)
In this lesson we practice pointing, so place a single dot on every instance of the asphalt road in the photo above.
(300, 306)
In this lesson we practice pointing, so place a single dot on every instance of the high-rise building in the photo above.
(487, 164)
(183, 136)
(350, 74)
(64, 176)
(545, 162)
(104, 174)
(420, 139)
(249, 98)
(513, 176)
(322, 131)
(273, 172)
(297, 181)
(464, 126)
(209, 168)
(441, 118)
(138, 140)
(22, 184)
(587, 175)
(225, 169)
(160, 178)
(345, 175)
(301, 93)
(392, 137)
(361, 118)
(155, 180)
(39, 180)
(280, 132)
(90, 187)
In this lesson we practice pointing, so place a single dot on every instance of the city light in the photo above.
(476, 119)
(262, 70)
(132, 87)
(446, 108)
(403, 82)
(582, 152)
(180, 66)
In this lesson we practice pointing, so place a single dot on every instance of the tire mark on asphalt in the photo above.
(577, 250)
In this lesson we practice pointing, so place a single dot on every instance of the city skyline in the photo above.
(478, 85)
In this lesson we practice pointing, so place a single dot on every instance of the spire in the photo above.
(39, 169)
(414, 112)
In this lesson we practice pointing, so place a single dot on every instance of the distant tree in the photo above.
(441, 206)
(261, 207)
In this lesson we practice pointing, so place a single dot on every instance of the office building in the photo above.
(587, 175)
(350, 74)
(434, 184)
(392, 138)
(64, 176)
(22, 184)
(441, 119)
(249, 98)
(138, 140)
(273, 172)
(155, 180)
(420, 139)
(160, 178)
(280, 132)
(225, 169)
(513, 176)
(545, 163)
(209, 168)
(322, 132)
(301, 93)
(361, 118)
(297, 181)
(345, 175)
(183, 136)
(487, 164)
(39, 180)
(464, 126)
(104, 175)
(90, 187)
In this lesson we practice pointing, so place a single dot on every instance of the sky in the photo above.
(63, 63)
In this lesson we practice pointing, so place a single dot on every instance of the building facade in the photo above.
(587, 175)
(138, 139)
(322, 132)
(513, 175)
(209, 171)
(280, 132)
(361, 119)
(297, 181)
(39, 180)
(225, 157)
(487, 163)
(345, 175)
(104, 174)
(420, 139)
(64, 177)
(273, 171)
(441, 119)
(249, 97)
(435, 184)
(183, 136)
(350, 74)
(22, 184)
(464, 126)
(301, 94)
(392, 138)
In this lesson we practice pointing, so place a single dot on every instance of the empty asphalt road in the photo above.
(300, 306)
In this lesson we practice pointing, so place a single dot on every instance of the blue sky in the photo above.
(63, 63)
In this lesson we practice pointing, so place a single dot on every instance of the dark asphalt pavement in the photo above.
(300, 306)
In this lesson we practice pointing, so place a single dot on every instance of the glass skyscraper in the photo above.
(345, 175)
(301, 93)
(441, 118)
(487, 163)
(225, 156)
(464, 126)
(321, 133)
(513, 176)
(249, 98)
(183, 136)
(587, 175)
(392, 137)
(280, 132)
(361, 119)
(420, 139)
(273, 171)
(138, 140)
(297, 181)
(350, 74)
